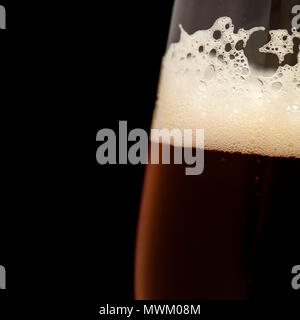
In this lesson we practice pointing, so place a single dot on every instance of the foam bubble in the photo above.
(207, 82)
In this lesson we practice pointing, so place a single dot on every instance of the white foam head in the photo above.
(207, 83)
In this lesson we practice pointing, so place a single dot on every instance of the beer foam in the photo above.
(207, 83)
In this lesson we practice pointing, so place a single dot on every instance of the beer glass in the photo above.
(231, 68)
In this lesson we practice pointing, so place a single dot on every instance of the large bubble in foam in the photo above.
(207, 82)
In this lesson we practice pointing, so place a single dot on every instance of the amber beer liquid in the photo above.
(199, 237)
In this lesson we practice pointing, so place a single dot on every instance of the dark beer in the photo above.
(199, 236)
(225, 234)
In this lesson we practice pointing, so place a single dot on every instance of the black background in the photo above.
(131, 46)
(4, 251)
